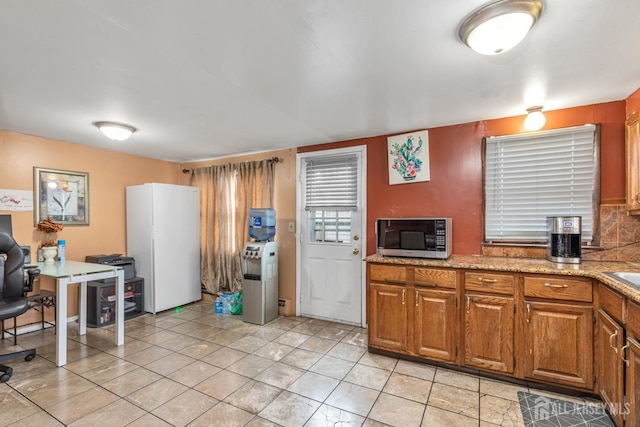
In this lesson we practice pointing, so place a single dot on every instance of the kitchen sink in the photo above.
(632, 279)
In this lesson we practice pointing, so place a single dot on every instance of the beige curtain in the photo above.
(227, 192)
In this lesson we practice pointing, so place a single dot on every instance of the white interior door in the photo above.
(331, 240)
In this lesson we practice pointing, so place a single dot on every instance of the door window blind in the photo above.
(331, 183)
(531, 176)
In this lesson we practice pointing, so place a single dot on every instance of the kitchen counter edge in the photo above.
(589, 269)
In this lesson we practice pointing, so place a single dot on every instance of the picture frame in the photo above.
(408, 156)
(62, 195)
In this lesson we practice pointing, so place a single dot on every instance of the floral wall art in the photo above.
(408, 157)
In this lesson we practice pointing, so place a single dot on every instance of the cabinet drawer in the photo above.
(489, 282)
(633, 319)
(558, 288)
(387, 273)
(611, 302)
(435, 278)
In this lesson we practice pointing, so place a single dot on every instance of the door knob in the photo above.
(356, 237)
(356, 251)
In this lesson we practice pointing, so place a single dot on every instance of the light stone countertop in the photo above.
(590, 269)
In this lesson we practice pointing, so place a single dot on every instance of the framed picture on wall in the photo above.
(408, 157)
(61, 195)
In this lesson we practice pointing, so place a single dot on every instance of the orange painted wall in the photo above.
(455, 189)
(609, 115)
(109, 174)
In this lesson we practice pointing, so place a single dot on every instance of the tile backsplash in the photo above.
(619, 236)
(619, 240)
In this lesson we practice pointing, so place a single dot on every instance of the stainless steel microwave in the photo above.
(414, 237)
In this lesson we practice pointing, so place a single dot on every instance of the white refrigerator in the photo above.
(163, 236)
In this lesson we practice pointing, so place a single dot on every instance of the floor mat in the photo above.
(543, 411)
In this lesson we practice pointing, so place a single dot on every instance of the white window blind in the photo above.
(531, 176)
(332, 183)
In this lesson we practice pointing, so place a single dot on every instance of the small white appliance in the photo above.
(260, 282)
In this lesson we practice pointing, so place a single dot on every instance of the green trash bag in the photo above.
(236, 304)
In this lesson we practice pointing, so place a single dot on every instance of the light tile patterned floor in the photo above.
(193, 367)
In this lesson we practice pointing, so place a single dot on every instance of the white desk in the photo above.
(68, 272)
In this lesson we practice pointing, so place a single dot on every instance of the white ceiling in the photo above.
(209, 78)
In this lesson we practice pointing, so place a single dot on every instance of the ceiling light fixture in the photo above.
(499, 26)
(115, 131)
(535, 119)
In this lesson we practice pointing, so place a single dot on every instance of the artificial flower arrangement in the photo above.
(49, 227)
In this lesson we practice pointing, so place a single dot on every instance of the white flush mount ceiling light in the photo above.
(499, 26)
(535, 119)
(115, 131)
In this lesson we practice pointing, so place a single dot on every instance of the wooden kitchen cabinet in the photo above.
(558, 330)
(488, 332)
(435, 325)
(610, 366)
(559, 343)
(632, 375)
(610, 369)
(388, 316)
(412, 310)
(489, 321)
(632, 405)
(632, 137)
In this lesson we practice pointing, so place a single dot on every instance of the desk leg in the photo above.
(61, 321)
(119, 307)
(82, 320)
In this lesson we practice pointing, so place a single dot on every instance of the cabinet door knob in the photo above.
(417, 299)
(468, 305)
(404, 291)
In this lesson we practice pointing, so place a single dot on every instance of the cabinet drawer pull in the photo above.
(483, 280)
(404, 291)
(432, 285)
(623, 353)
(528, 313)
(612, 338)
(397, 282)
(468, 309)
(417, 300)
(554, 285)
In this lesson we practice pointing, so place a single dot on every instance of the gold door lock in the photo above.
(356, 251)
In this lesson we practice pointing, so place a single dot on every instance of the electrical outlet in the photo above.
(292, 227)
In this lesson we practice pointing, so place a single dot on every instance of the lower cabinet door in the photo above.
(610, 365)
(435, 324)
(559, 343)
(388, 317)
(632, 407)
(488, 332)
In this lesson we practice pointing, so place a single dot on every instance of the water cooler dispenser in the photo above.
(260, 269)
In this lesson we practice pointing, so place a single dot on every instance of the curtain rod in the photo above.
(271, 160)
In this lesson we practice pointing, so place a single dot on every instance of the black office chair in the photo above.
(13, 294)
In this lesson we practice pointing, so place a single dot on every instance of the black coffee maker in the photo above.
(565, 239)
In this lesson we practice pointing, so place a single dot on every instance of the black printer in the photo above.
(128, 264)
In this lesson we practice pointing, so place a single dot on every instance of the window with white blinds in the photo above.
(331, 183)
(531, 176)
